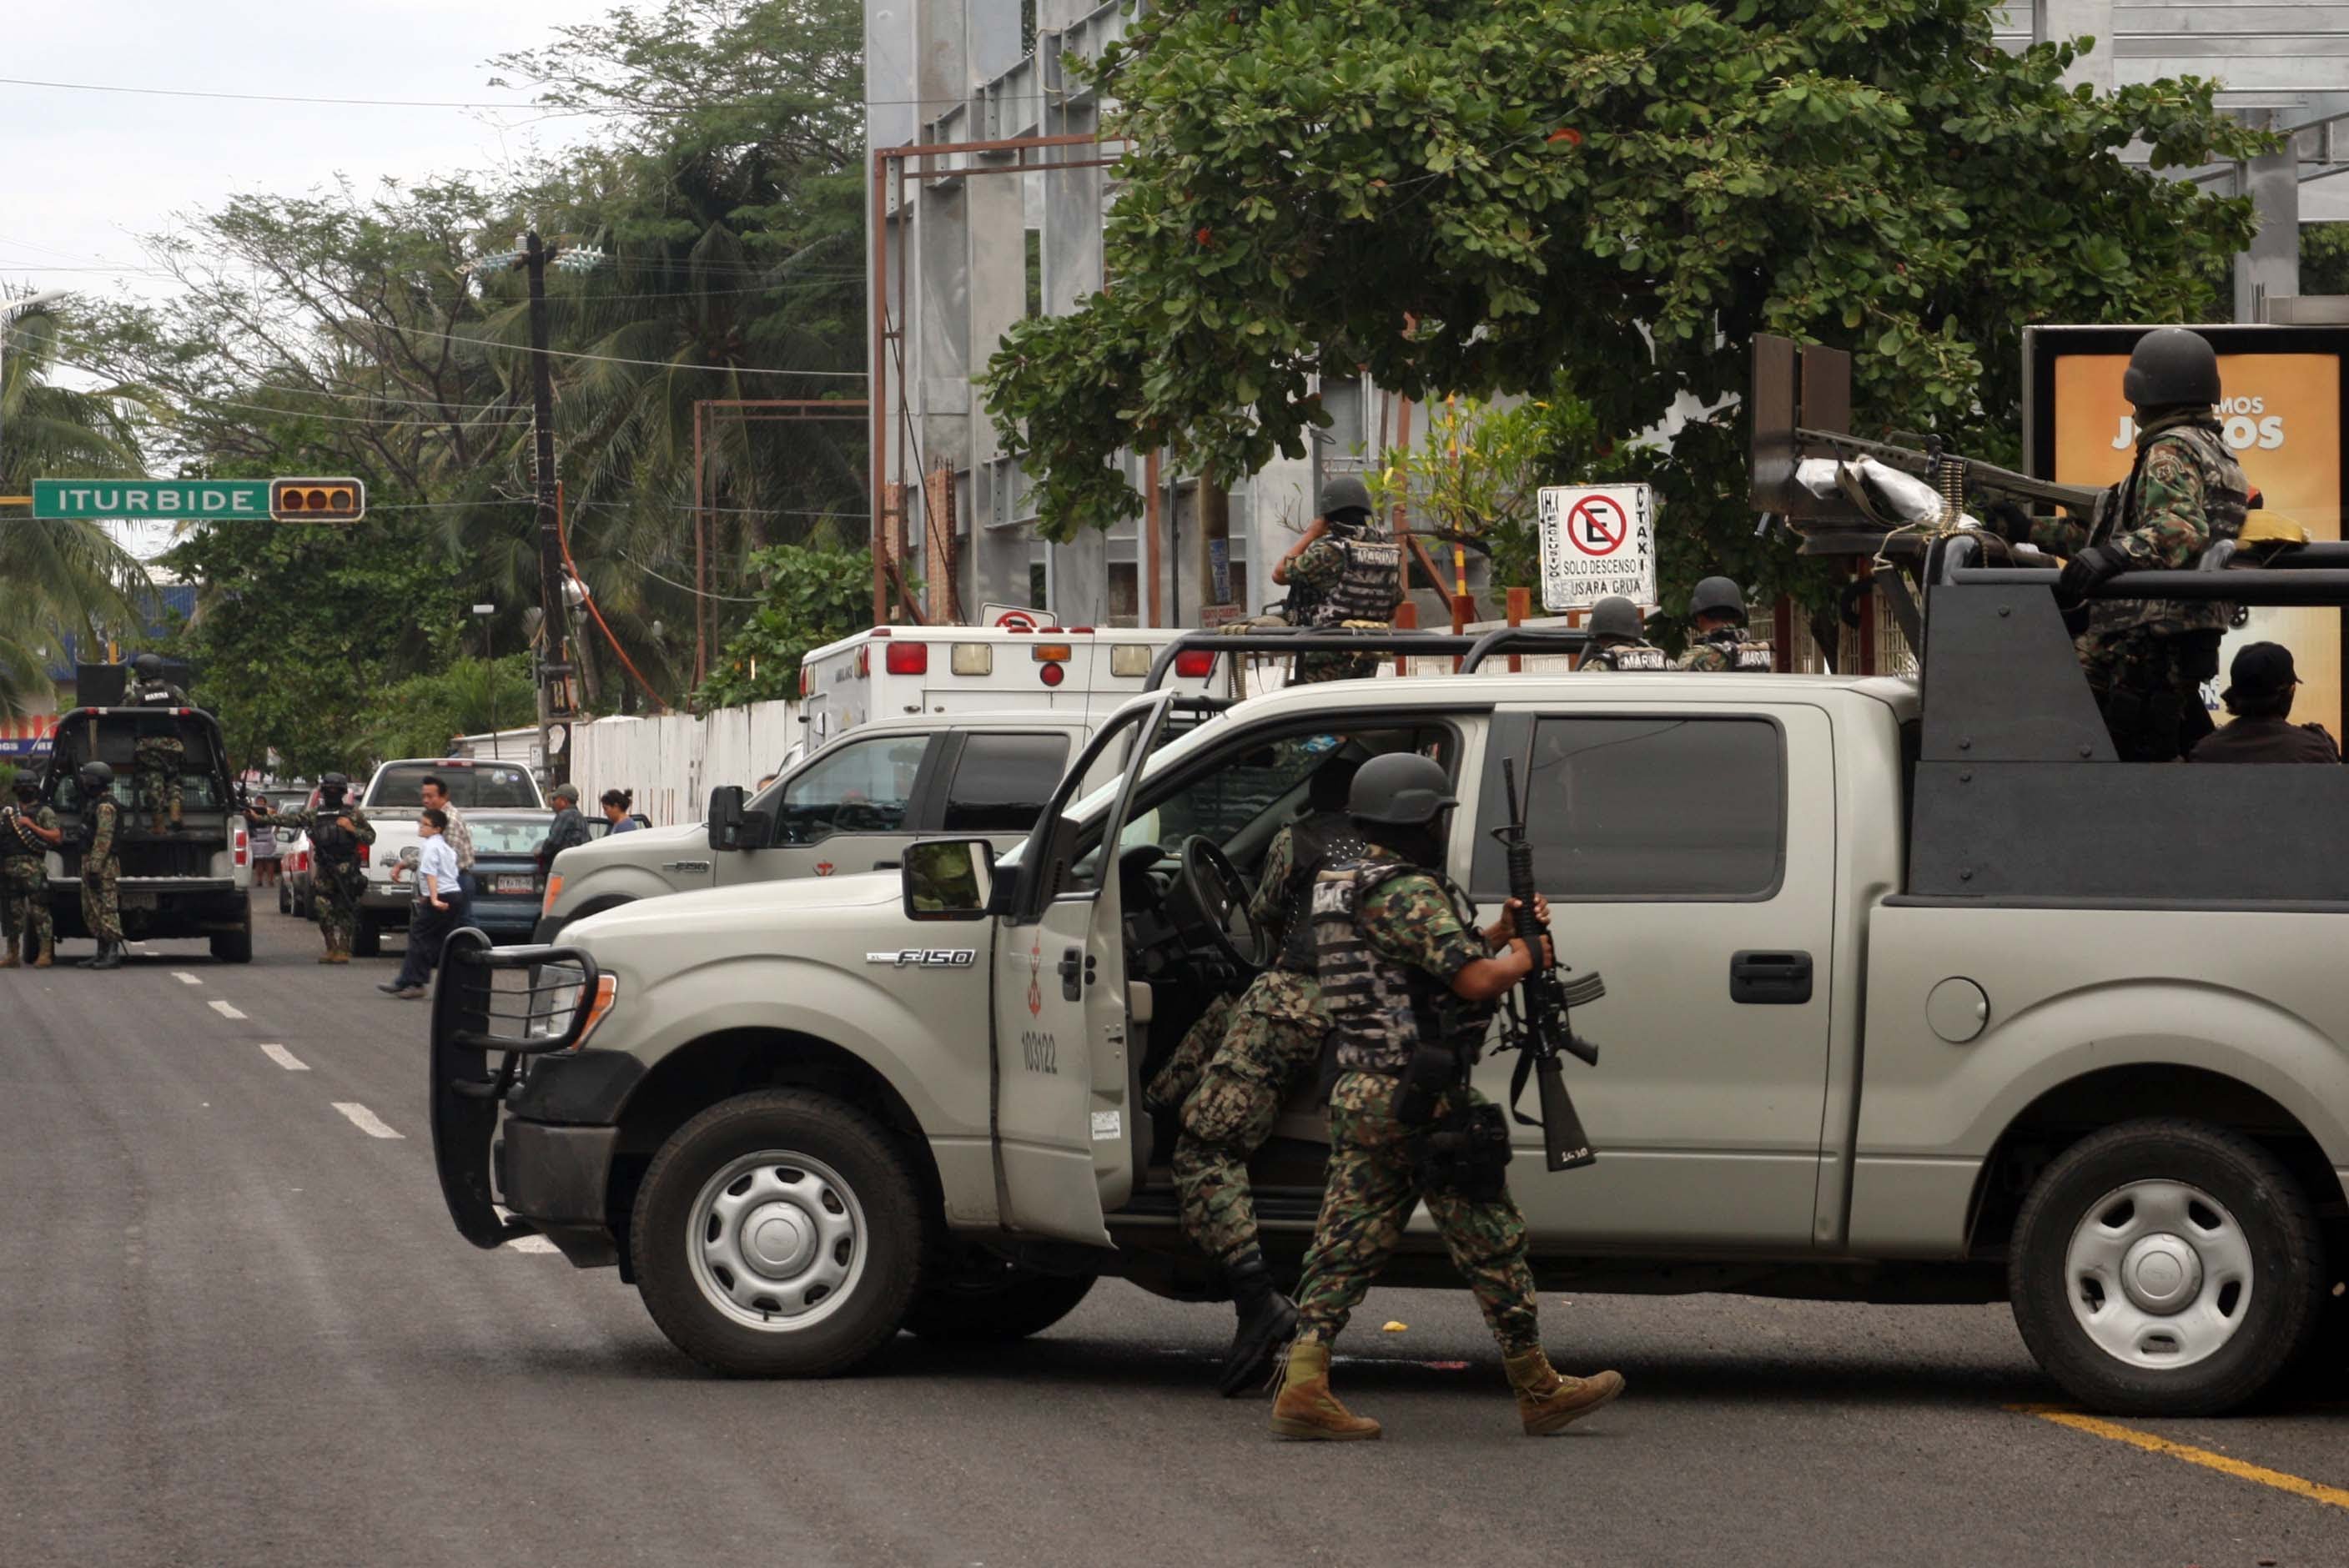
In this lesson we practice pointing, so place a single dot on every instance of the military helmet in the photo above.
(1400, 789)
(1718, 595)
(148, 665)
(1346, 492)
(94, 776)
(1616, 619)
(333, 783)
(2171, 367)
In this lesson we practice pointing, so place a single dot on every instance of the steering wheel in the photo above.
(1215, 897)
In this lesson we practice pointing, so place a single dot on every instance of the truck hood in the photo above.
(749, 916)
(578, 859)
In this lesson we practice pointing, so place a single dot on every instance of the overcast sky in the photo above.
(83, 173)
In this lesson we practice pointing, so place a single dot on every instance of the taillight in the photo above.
(1051, 653)
(909, 658)
(864, 661)
(365, 860)
(244, 846)
(1193, 663)
(1053, 675)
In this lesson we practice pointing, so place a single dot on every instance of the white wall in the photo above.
(674, 761)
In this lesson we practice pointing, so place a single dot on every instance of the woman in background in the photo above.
(615, 811)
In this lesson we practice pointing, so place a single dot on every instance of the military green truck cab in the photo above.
(1912, 996)
(193, 880)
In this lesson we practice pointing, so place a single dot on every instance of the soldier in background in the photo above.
(1717, 609)
(2146, 659)
(2259, 693)
(1619, 639)
(28, 831)
(162, 757)
(337, 831)
(1347, 570)
(1404, 968)
(101, 831)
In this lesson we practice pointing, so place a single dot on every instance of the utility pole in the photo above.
(553, 653)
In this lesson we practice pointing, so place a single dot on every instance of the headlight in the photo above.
(553, 1000)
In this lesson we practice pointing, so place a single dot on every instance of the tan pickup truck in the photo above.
(1912, 998)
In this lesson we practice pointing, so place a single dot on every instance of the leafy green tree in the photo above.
(420, 715)
(1606, 201)
(812, 597)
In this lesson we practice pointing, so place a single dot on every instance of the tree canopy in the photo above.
(1601, 203)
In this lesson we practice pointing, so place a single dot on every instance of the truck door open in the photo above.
(1062, 1071)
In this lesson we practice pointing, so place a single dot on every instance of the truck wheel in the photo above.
(285, 899)
(235, 947)
(1010, 1303)
(778, 1234)
(2166, 1268)
(367, 936)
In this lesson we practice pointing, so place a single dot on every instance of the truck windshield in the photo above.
(402, 784)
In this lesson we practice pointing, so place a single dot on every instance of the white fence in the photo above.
(674, 761)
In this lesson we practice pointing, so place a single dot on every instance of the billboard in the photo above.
(2286, 389)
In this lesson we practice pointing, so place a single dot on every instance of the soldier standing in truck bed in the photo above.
(160, 755)
(1347, 571)
(1717, 611)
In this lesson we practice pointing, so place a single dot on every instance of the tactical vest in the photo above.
(1378, 1007)
(89, 839)
(1312, 840)
(1626, 656)
(1368, 587)
(2226, 499)
(20, 843)
(333, 843)
(157, 696)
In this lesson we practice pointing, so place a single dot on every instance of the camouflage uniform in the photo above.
(1273, 1038)
(101, 914)
(1724, 651)
(1326, 567)
(1413, 919)
(2185, 491)
(24, 887)
(336, 905)
(160, 759)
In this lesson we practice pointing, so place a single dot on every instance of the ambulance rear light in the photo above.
(908, 658)
(973, 659)
(1052, 653)
(864, 661)
(1192, 663)
(1129, 659)
(807, 683)
(1053, 675)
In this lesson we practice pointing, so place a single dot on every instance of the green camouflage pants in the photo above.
(100, 914)
(1369, 1198)
(160, 759)
(25, 903)
(1172, 1084)
(336, 908)
(1275, 1039)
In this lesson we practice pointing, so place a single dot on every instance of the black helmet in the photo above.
(334, 784)
(1616, 620)
(1400, 789)
(2171, 367)
(94, 776)
(1718, 595)
(148, 665)
(1346, 492)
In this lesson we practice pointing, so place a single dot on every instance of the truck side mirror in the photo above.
(725, 818)
(947, 879)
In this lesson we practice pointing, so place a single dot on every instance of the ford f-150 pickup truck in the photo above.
(1911, 996)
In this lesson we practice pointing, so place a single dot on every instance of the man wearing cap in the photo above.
(1345, 571)
(567, 832)
(2259, 697)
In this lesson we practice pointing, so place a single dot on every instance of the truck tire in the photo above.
(285, 899)
(779, 1234)
(367, 936)
(2166, 1267)
(996, 1309)
(235, 947)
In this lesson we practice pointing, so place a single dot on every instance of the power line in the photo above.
(548, 111)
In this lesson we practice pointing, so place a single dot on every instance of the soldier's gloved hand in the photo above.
(2086, 570)
(2009, 521)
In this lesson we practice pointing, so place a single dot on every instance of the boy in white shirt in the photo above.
(437, 898)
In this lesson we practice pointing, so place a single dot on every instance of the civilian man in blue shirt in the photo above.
(436, 901)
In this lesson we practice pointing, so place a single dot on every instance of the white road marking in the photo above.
(363, 1118)
(225, 1010)
(286, 1058)
(532, 1244)
(184, 978)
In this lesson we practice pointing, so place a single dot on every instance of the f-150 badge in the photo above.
(928, 958)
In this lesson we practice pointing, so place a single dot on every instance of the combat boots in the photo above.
(1305, 1411)
(1548, 1402)
(109, 957)
(48, 954)
(1267, 1319)
(12, 961)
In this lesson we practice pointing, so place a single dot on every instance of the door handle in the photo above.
(1075, 970)
(1770, 979)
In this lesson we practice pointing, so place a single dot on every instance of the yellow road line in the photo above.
(2241, 1469)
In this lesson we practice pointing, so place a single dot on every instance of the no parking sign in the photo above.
(1598, 541)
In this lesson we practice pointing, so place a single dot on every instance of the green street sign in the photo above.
(180, 500)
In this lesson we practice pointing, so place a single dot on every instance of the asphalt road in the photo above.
(237, 1328)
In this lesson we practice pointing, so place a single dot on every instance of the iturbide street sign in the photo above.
(169, 500)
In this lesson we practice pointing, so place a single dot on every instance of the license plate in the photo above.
(126, 898)
(514, 885)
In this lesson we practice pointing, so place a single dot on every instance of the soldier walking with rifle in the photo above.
(1410, 983)
(337, 831)
(28, 831)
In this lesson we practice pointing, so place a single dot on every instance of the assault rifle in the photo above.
(1539, 1029)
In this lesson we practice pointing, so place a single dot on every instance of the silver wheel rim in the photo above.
(2159, 1275)
(776, 1241)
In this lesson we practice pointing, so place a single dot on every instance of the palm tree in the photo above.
(58, 576)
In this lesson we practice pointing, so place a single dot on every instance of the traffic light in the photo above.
(316, 500)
